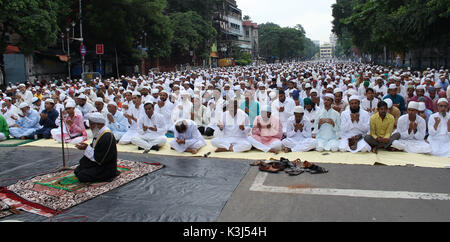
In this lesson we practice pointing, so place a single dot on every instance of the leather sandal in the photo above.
(268, 168)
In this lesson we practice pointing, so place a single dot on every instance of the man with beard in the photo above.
(187, 137)
(26, 124)
(48, 119)
(116, 121)
(381, 127)
(164, 107)
(135, 111)
(298, 133)
(439, 130)
(23, 95)
(283, 108)
(327, 126)
(99, 163)
(84, 107)
(412, 130)
(267, 132)
(354, 126)
(233, 130)
(151, 130)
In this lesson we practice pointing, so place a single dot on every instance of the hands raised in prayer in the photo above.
(298, 127)
(110, 118)
(354, 117)
(181, 141)
(81, 146)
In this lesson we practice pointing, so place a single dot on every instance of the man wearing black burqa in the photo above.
(99, 163)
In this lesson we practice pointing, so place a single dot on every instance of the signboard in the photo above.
(99, 49)
(83, 50)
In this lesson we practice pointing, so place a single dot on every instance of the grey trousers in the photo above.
(373, 142)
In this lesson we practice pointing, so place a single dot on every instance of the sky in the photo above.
(314, 15)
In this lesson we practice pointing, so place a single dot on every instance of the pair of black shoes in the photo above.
(155, 148)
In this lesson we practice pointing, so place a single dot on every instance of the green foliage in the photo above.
(123, 23)
(284, 43)
(243, 59)
(399, 26)
(191, 33)
(34, 20)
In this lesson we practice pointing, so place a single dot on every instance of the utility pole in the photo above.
(81, 36)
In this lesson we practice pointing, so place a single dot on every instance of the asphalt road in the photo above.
(280, 204)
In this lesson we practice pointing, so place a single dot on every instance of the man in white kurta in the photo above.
(234, 128)
(9, 111)
(283, 108)
(327, 126)
(187, 137)
(135, 111)
(355, 124)
(165, 108)
(151, 130)
(298, 133)
(412, 129)
(116, 121)
(439, 130)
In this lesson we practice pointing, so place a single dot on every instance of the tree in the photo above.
(246, 18)
(122, 25)
(35, 21)
(192, 33)
(282, 43)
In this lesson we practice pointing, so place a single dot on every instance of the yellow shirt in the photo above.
(381, 128)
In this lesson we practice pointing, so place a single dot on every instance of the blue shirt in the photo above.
(398, 99)
(51, 118)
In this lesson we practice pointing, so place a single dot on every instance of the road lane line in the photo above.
(258, 186)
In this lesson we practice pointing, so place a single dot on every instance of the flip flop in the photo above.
(268, 168)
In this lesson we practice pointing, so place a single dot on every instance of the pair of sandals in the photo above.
(294, 168)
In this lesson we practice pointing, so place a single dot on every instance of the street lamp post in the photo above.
(81, 36)
(68, 51)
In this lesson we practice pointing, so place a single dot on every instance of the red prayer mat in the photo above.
(51, 194)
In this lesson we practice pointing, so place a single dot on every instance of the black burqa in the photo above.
(104, 169)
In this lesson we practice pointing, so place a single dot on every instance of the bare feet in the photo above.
(193, 151)
(287, 150)
(374, 150)
(221, 150)
(274, 151)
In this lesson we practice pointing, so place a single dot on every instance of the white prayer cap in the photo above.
(442, 100)
(354, 97)
(308, 85)
(35, 99)
(329, 95)
(314, 90)
(299, 109)
(97, 118)
(392, 86)
(82, 96)
(49, 101)
(99, 99)
(22, 85)
(112, 103)
(266, 108)
(23, 105)
(413, 105)
(155, 91)
(8, 98)
(420, 87)
(136, 94)
(70, 104)
(421, 106)
(389, 102)
(272, 95)
(336, 90)
(62, 97)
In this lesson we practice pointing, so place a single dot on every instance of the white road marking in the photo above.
(258, 185)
